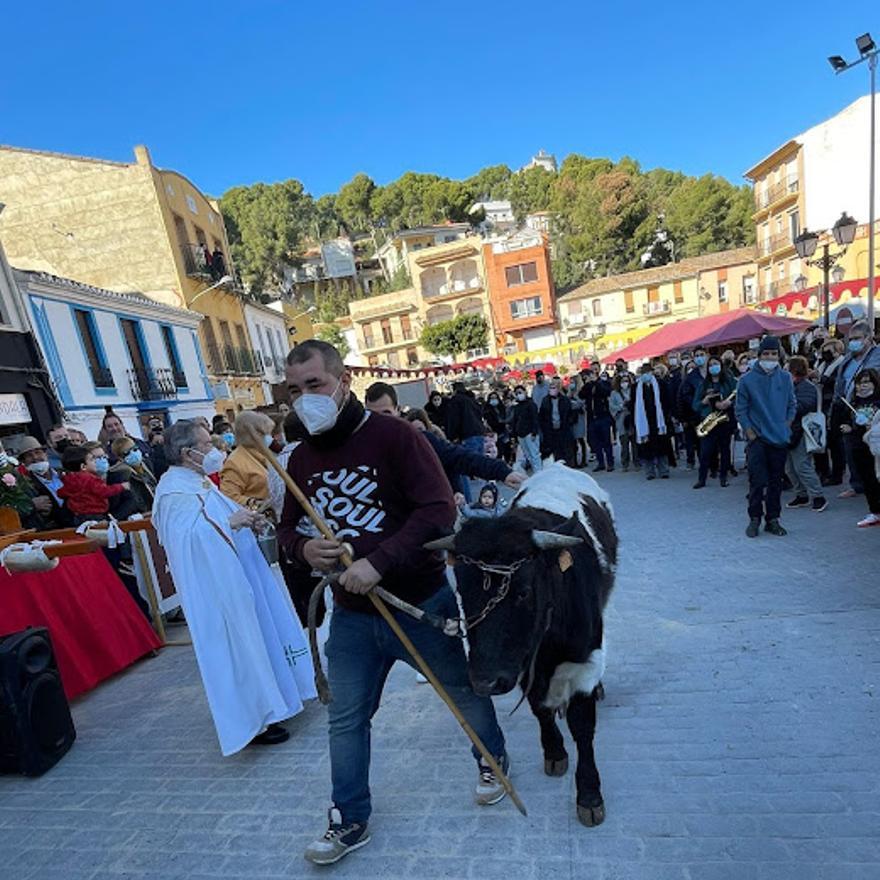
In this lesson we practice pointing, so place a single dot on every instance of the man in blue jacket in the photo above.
(765, 408)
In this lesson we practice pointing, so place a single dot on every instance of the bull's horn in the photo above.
(553, 540)
(447, 543)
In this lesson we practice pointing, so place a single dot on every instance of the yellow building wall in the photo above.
(93, 221)
(110, 224)
(446, 256)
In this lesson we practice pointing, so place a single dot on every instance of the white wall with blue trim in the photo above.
(92, 364)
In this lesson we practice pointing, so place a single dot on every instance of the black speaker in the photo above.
(36, 729)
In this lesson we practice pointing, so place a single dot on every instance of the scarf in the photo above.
(642, 429)
(350, 418)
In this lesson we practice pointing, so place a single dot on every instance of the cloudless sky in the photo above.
(232, 93)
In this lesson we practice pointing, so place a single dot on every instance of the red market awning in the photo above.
(712, 330)
(782, 305)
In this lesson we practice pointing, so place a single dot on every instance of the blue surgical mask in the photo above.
(228, 438)
(267, 439)
(715, 369)
(700, 360)
(102, 465)
(855, 345)
(134, 458)
(768, 365)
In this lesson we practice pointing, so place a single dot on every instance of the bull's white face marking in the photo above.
(575, 678)
(558, 489)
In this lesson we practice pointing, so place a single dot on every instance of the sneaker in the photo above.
(700, 484)
(774, 527)
(847, 493)
(753, 527)
(798, 501)
(337, 841)
(819, 504)
(598, 468)
(872, 519)
(489, 789)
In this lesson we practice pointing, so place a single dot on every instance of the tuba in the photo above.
(714, 419)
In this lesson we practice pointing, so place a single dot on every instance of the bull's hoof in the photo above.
(556, 768)
(592, 816)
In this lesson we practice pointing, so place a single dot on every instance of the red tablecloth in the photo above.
(95, 626)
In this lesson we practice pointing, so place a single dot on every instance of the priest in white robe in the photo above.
(251, 650)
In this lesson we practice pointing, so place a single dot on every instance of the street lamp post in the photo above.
(868, 51)
(226, 279)
(844, 231)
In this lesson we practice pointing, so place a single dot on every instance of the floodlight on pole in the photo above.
(868, 51)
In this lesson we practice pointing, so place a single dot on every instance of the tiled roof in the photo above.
(658, 275)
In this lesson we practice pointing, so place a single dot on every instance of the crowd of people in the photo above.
(389, 479)
(687, 409)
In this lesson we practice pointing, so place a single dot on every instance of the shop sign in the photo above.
(14, 410)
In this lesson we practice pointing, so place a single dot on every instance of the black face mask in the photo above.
(827, 356)
(61, 445)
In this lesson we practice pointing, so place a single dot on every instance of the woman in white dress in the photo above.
(251, 650)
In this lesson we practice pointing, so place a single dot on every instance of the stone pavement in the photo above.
(738, 740)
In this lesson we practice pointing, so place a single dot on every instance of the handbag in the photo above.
(815, 428)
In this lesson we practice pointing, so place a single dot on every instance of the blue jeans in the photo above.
(360, 653)
(531, 450)
(477, 446)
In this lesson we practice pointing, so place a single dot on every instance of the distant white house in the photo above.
(499, 215)
(395, 252)
(116, 350)
(542, 159)
(267, 328)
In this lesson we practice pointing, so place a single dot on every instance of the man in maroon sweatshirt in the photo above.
(382, 489)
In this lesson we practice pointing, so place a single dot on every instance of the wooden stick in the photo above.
(382, 608)
(155, 611)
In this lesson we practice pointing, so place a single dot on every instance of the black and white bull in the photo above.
(533, 586)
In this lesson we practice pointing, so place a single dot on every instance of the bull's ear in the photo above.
(447, 543)
(553, 540)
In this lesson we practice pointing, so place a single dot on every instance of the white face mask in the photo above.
(317, 412)
(211, 461)
(39, 467)
(769, 366)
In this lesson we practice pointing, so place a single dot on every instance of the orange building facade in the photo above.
(521, 292)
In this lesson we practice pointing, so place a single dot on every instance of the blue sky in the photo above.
(232, 93)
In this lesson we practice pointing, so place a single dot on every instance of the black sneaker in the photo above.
(774, 527)
(819, 504)
(753, 527)
(337, 841)
(799, 501)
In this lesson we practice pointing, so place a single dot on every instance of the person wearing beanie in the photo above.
(765, 409)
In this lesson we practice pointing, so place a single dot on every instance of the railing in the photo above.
(582, 319)
(778, 191)
(233, 359)
(102, 377)
(150, 384)
(657, 307)
(774, 243)
(196, 266)
(194, 261)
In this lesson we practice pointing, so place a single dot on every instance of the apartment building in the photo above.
(131, 227)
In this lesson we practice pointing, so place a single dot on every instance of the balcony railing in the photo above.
(196, 266)
(233, 359)
(774, 243)
(102, 377)
(657, 307)
(771, 194)
(150, 384)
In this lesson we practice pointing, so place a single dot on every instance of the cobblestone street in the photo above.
(738, 739)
